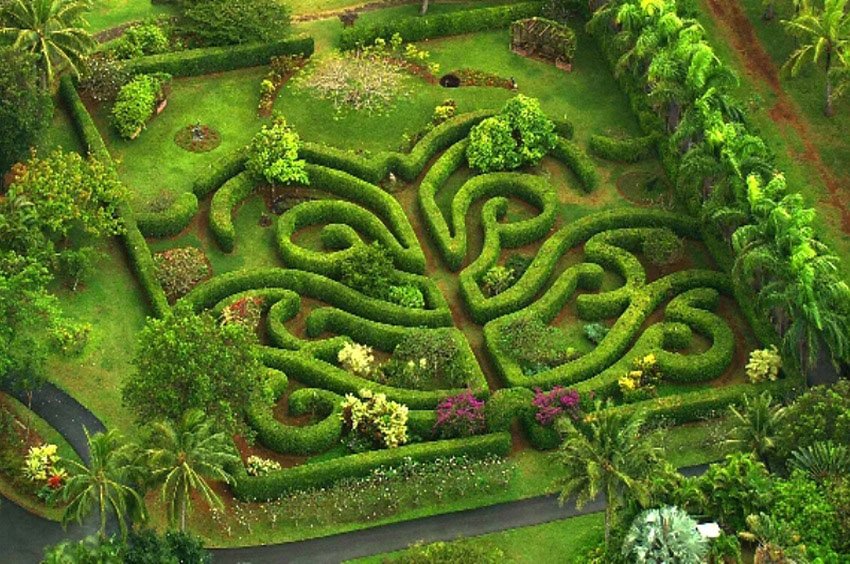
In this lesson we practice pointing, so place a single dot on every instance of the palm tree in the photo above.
(755, 427)
(823, 35)
(184, 456)
(610, 453)
(107, 482)
(52, 30)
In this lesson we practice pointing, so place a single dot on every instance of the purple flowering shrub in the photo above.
(460, 416)
(558, 401)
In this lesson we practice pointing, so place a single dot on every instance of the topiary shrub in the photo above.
(371, 421)
(535, 345)
(179, 270)
(519, 135)
(368, 269)
(764, 365)
(273, 155)
(667, 534)
(664, 247)
(460, 416)
(498, 279)
(136, 102)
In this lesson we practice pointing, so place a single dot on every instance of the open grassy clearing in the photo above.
(106, 14)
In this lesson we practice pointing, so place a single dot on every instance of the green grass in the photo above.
(60, 134)
(111, 301)
(153, 162)
(563, 541)
(106, 14)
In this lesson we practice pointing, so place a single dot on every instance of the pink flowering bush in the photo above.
(558, 401)
(460, 416)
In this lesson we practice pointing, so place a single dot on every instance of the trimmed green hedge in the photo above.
(138, 252)
(428, 27)
(577, 161)
(171, 221)
(629, 150)
(224, 202)
(320, 474)
(196, 62)
(220, 172)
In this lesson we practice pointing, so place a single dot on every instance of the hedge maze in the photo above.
(444, 241)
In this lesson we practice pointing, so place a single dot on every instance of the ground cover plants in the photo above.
(409, 317)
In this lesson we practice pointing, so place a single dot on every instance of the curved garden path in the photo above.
(24, 535)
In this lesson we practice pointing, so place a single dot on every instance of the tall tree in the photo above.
(107, 483)
(610, 454)
(823, 35)
(184, 456)
(26, 109)
(187, 360)
(52, 30)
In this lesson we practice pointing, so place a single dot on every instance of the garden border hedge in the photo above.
(171, 221)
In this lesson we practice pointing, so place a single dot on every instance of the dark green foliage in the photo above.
(187, 361)
(26, 109)
(368, 269)
(232, 193)
(629, 150)
(234, 22)
(821, 414)
(663, 248)
(595, 332)
(139, 40)
(535, 344)
(196, 62)
(103, 77)
(181, 269)
(734, 489)
(143, 546)
(136, 103)
(170, 221)
(418, 29)
(579, 162)
(443, 357)
(803, 505)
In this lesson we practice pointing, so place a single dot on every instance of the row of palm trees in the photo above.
(727, 175)
(180, 458)
(53, 30)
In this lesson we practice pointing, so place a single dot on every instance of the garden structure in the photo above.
(392, 271)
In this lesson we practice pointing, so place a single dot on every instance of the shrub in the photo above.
(819, 415)
(667, 534)
(26, 109)
(764, 365)
(595, 332)
(258, 466)
(640, 382)
(373, 422)
(233, 22)
(136, 102)
(406, 295)
(179, 270)
(357, 359)
(139, 40)
(534, 344)
(733, 489)
(368, 269)
(436, 352)
(498, 279)
(460, 416)
(246, 311)
(273, 155)
(103, 77)
(554, 403)
(444, 112)
(519, 264)
(520, 134)
(664, 247)
(801, 503)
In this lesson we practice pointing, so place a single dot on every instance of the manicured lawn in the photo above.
(562, 541)
(111, 13)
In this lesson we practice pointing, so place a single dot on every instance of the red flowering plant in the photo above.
(460, 416)
(246, 311)
(554, 403)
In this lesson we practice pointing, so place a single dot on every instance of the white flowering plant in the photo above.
(372, 421)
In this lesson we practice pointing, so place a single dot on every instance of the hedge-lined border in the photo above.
(319, 474)
(623, 150)
(171, 221)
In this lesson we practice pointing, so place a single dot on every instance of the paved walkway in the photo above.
(23, 535)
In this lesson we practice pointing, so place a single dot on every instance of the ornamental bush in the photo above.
(640, 382)
(139, 40)
(666, 534)
(535, 345)
(764, 365)
(406, 295)
(357, 359)
(371, 421)
(436, 352)
(664, 247)
(246, 311)
(460, 416)
(26, 109)
(273, 155)
(595, 332)
(520, 135)
(819, 415)
(181, 269)
(233, 22)
(136, 102)
(258, 466)
(368, 269)
(498, 279)
(554, 403)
